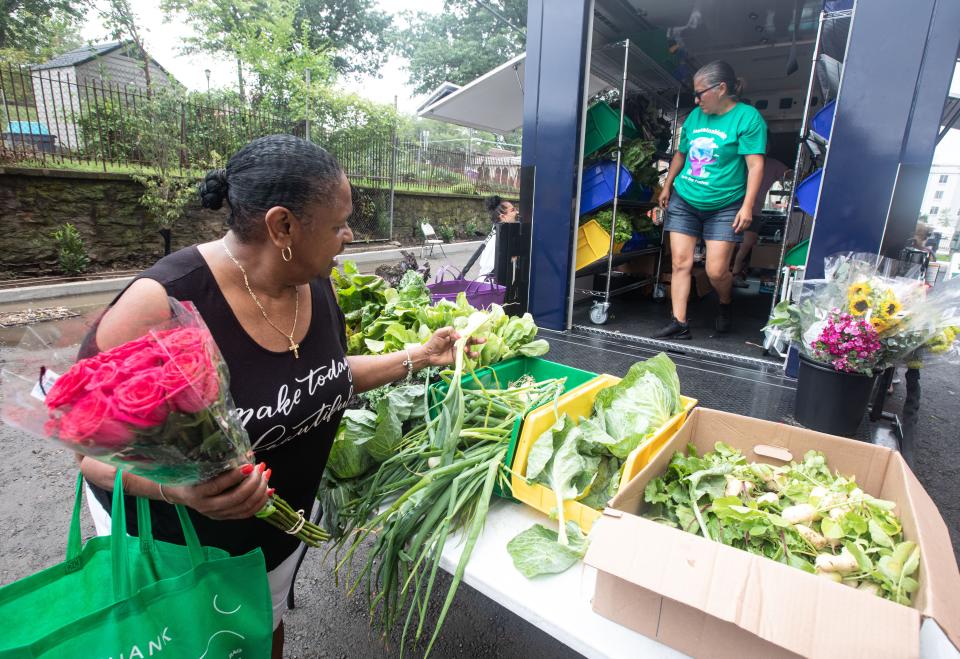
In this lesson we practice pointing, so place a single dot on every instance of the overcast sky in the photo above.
(163, 40)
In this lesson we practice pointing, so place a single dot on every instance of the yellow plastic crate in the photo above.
(578, 403)
(593, 243)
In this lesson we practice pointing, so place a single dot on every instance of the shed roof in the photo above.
(80, 55)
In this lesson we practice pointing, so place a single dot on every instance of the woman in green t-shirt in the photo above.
(711, 188)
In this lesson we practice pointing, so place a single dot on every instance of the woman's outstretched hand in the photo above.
(440, 349)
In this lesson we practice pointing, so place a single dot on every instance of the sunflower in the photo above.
(859, 304)
(858, 290)
(890, 306)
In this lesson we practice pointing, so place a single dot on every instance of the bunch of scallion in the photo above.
(439, 482)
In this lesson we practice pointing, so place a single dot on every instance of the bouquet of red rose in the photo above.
(158, 406)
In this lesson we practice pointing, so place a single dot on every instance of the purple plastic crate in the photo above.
(481, 294)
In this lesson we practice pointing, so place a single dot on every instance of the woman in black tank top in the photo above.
(264, 291)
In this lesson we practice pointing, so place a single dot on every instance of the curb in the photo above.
(32, 293)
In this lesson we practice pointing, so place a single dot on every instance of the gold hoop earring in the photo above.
(286, 254)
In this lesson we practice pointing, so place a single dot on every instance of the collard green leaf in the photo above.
(400, 404)
(348, 455)
(606, 483)
(536, 551)
(639, 404)
(543, 448)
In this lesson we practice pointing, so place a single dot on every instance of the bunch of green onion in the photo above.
(439, 482)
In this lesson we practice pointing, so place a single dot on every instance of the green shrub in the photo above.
(71, 253)
(446, 232)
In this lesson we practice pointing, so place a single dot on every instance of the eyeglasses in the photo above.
(700, 93)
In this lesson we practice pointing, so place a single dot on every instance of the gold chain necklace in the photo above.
(294, 346)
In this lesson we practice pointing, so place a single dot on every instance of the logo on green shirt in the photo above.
(715, 172)
(701, 154)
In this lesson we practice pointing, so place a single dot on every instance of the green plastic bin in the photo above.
(504, 373)
(797, 255)
(603, 124)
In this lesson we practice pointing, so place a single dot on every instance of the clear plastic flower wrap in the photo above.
(876, 295)
(158, 406)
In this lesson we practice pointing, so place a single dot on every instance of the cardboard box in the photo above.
(765, 257)
(710, 600)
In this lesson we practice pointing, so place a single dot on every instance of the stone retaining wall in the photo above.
(117, 234)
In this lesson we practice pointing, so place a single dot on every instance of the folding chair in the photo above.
(430, 240)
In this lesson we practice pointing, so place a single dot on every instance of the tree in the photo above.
(221, 27)
(351, 32)
(461, 43)
(39, 29)
(118, 17)
(347, 35)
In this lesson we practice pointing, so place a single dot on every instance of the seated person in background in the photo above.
(501, 210)
(773, 171)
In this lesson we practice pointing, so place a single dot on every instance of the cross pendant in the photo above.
(295, 348)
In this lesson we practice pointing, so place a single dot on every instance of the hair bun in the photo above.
(213, 189)
(493, 202)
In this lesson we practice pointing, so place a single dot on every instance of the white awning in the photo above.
(492, 102)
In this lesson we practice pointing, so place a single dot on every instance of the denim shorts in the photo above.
(709, 225)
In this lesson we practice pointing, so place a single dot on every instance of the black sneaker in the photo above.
(675, 330)
(724, 319)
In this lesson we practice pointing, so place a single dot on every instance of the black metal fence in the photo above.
(52, 118)
(49, 118)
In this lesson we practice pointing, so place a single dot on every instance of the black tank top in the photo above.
(290, 407)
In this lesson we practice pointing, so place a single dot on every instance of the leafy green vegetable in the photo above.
(401, 403)
(555, 461)
(381, 320)
(799, 514)
(643, 401)
(584, 461)
(537, 551)
(348, 454)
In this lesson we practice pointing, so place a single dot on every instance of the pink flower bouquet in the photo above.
(158, 407)
(848, 343)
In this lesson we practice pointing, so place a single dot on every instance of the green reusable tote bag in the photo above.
(123, 597)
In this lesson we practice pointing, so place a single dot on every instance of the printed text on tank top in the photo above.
(301, 391)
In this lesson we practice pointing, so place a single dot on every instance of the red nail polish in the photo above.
(266, 474)
(246, 469)
(271, 491)
(261, 467)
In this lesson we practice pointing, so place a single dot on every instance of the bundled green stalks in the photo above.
(439, 482)
(799, 514)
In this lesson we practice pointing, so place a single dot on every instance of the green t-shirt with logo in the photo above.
(714, 174)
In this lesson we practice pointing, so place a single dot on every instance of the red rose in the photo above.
(124, 350)
(146, 358)
(184, 339)
(91, 418)
(190, 381)
(141, 399)
(105, 378)
(70, 386)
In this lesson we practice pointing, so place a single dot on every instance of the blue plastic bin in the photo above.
(808, 192)
(597, 186)
(822, 121)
